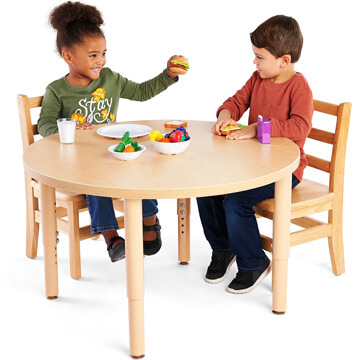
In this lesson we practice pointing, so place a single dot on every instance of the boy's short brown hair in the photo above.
(280, 35)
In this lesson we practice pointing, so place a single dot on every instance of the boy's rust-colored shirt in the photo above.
(288, 105)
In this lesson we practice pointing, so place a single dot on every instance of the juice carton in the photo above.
(263, 130)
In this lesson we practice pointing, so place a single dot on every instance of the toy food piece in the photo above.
(127, 142)
(155, 135)
(178, 135)
(179, 65)
(129, 148)
(175, 123)
(165, 140)
(227, 129)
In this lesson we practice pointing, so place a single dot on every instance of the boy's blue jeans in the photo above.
(229, 222)
(102, 212)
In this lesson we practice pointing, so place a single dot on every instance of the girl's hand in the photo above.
(84, 126)
(247, 132)
(169, 73)
(224, 119)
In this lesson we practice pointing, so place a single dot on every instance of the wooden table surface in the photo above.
(211, 165)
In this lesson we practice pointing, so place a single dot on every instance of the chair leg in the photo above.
(74, 240)
(32, 227)
(336, 245)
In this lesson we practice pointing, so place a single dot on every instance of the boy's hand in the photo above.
(247, 132)
(169, 73)
(224, 119)
(84, 126)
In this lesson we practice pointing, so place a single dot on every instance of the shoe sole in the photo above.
(120, 258)
(257, 282)
(216, 281)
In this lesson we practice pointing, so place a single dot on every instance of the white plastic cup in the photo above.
(66, 128)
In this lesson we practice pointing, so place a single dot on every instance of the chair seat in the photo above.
(308, 197)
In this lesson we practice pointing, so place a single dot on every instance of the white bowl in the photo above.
(171, 148)
(126, 155)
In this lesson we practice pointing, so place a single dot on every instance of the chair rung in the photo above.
(307, 222)
(302, 236)
(310, 234)
(318, 163)
(321, 135)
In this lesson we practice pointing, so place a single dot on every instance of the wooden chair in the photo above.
(67, 204)
(310, 197)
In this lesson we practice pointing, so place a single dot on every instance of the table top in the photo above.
(211, 165)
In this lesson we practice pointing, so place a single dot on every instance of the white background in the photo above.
(185, 318)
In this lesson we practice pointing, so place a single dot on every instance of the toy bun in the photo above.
(179, 65)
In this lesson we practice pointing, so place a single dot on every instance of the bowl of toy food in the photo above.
(172, 143)
(127, 149)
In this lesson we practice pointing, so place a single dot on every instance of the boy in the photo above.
(282, 95)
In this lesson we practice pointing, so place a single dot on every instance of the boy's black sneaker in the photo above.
(246, 281)
(221, 262)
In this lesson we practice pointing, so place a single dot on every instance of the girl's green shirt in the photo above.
(96, 103)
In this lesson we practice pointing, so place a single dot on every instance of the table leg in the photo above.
(48, 223)
(281, 243)
(183, 211)
(135, 276)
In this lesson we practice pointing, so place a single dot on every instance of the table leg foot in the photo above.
(52, 297)
(137, 356)
(278, 312)
(184, 263)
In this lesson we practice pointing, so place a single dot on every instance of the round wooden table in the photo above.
(212, 165)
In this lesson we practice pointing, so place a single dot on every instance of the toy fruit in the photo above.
(184, 137)
(155, 135)
(177, 136)
(165, 140)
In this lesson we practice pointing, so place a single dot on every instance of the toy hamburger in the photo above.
(179, 65)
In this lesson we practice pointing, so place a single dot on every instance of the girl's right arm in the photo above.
(145, 90)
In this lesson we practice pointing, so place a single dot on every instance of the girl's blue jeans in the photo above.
(229, 222)
(102, 212)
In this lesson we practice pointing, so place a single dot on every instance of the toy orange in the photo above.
(165, 140)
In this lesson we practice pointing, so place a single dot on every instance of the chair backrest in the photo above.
(338, 139)
(28, 129)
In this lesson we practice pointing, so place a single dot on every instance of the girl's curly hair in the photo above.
(73, 21)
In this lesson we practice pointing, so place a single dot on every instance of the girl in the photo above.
(90, 93)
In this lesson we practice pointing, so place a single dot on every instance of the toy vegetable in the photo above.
(125, 141)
